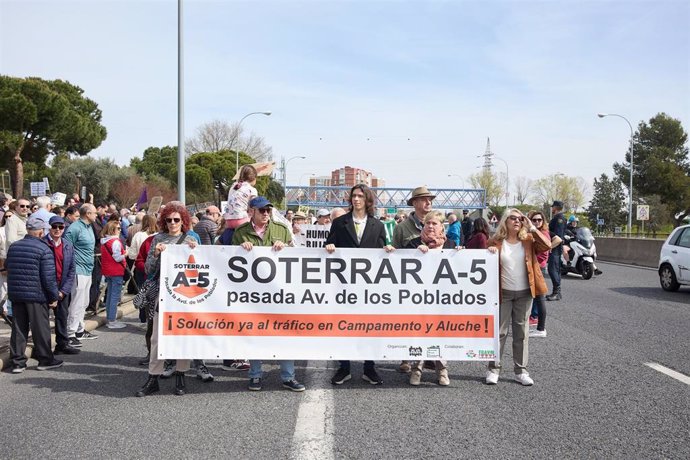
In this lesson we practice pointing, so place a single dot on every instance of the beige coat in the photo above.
(533, 244)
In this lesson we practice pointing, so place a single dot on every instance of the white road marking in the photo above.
(670, 372)
(313, 438)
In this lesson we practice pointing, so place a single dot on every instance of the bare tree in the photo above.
(523, 188)
(220, 135)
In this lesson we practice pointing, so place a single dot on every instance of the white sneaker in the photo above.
(536, 333)
(115, 325)
(524, 379)
(491, 378)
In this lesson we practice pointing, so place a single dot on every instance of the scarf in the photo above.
(433, 240)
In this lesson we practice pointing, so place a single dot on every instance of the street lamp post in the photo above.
(285, 168)
(237, 153)
(78, 184)
(299, 193)
(462, 179)
(630, 193)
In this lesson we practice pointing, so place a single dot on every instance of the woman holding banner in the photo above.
(432, 238)
(517, 242)
(174, 223)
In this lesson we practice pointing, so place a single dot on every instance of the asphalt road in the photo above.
(593, 398)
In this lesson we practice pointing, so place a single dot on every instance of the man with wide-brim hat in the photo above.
(411, 228)
(421, 200)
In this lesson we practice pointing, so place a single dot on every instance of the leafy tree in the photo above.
(40, 117)
(98, 175)
(492, 183)
(661, 164)
(275, 191)
(157, 161)
(218, 135)
(607, 203)
(570, 190)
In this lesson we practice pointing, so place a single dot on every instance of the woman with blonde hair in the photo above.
(517, 241)
(432, 238)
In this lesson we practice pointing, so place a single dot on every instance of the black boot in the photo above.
(150, 387)
(555, 295)
(179, 383)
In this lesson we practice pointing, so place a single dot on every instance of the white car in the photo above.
(674, 260)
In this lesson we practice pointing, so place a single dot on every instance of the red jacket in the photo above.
(140, 262)
(109, 267)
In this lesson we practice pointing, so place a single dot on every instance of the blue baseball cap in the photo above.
(260, 202)
(56, 220)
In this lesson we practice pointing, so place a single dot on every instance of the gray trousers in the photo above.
(514, 311)
(35, 316)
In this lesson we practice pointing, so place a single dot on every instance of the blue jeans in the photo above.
(287, 370)
(555, 266)
(113, 296)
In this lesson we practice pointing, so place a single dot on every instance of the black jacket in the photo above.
(343, 233)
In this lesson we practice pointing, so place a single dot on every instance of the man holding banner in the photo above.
(261, 230)
(357, 229)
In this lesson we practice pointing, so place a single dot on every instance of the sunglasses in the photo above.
(264, 210)
(537, 220)
(57, 227)
(23, 205)
(170, 220)
(514, 218)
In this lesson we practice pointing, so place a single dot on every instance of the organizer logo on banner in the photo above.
(191, 283)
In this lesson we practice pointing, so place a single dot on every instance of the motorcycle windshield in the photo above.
(584, 237)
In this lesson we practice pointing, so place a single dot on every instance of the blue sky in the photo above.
(407, 90)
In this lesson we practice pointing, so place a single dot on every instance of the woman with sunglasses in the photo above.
(517, 241)
(174, 225)
(113, 268)
(539, 305)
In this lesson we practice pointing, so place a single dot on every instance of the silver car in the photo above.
(674, 261)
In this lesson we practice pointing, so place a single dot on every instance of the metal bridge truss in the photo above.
(329, 197)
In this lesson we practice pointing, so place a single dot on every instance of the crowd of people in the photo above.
(55, 258)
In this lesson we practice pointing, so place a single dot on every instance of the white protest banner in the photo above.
(37, 188)
(303, 303)
(313, 236)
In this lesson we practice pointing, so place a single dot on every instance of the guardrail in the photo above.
(635, 251)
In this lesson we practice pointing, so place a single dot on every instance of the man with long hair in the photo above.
(357, 229)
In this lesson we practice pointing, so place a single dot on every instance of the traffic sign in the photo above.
(642, 212)
(493, 219)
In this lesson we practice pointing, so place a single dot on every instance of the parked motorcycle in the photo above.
(583, 254)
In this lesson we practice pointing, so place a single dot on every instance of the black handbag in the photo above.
(147, 298)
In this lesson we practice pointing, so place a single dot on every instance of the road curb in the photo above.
(125, 308)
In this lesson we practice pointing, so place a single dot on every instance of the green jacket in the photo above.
(408, 230)
(275, 232)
